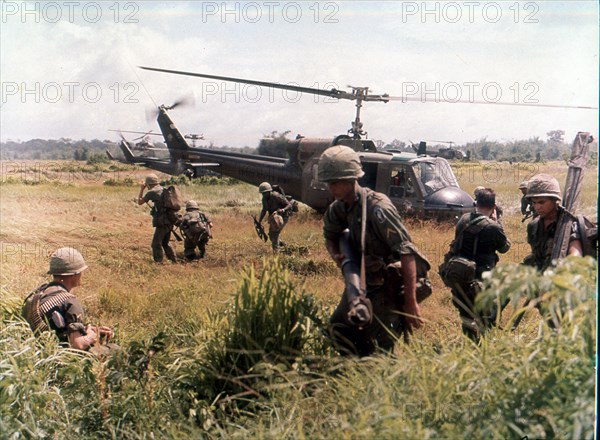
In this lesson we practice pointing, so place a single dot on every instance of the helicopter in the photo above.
(178, 162)
(410, 180)
(417, 184)
(449, 152)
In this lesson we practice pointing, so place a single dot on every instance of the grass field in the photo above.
(46, 205)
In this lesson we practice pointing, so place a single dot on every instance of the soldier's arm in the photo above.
(333, 247)
(284, 203)
(575, 248)
(263, 212)
(409, 277)
(503, 243)
(79, 336)
(140, 199)
(333, 226)
(92, 335)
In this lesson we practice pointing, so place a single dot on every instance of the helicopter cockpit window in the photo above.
(434, 175)
(401, 184)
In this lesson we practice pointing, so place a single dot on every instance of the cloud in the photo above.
(333, 44)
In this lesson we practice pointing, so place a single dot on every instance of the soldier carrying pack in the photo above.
(458, 270)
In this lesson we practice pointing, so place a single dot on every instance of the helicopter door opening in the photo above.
(369, 180)
(401, 183)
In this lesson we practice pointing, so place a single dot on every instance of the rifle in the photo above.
(360, 310)
(175, 234)
(260, 231)
(579, 153)
(527, 215)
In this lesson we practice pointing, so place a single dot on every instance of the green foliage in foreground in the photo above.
(260, 368)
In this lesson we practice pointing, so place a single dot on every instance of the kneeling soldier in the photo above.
(52, 306)
(195, 227)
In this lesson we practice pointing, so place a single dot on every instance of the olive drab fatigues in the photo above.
(479, 244)
(195, 227)
(162, 227)
(541, 240)
(386, 241)
(52, 307)
(277, 222)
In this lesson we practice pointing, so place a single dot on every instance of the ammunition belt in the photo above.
(35, 310)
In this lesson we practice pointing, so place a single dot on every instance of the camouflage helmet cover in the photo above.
(151, 179)
(191, 205)
(265, 187)
(543, 185)
(523, 184)
(66, 261)
(339, 163)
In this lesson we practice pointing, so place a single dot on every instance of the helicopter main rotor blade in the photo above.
(333, 93)
(137, 132)
(465, 101)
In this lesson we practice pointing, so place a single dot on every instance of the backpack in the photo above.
(171, 199)
(167, 206)
(457, 270)
(195, 228)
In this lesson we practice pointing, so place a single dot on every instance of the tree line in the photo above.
(533, 149)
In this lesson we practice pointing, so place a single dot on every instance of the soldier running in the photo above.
(161, 223)
(279, 209)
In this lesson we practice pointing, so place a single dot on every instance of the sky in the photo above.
(68, 69)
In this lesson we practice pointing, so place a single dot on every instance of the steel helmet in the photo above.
(339, 163)
(66, 261)
(191, 205)
(523, 184)
(543, 185)
(151, 179)
(265, 187)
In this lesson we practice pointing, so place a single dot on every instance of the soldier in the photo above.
(161, 223)
(390, 258)
(498, 211)
(477, 238)
(279, 209)
(543, 191)
(196, 229)
(526, 208)
(52, 306)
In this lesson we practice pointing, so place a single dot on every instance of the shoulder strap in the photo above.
(34, 291)
(363, 234)
(475, 225)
